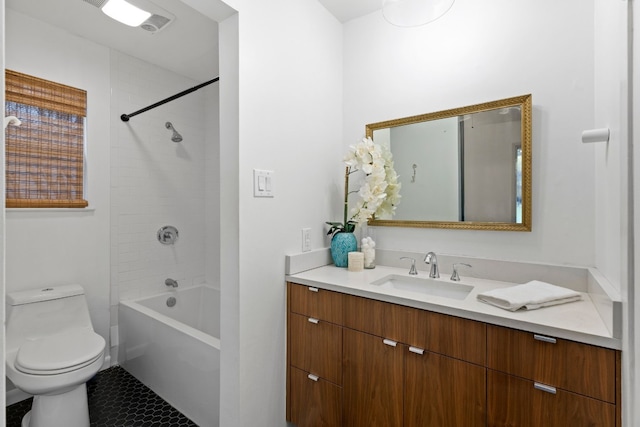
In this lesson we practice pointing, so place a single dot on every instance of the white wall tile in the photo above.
(157, 182)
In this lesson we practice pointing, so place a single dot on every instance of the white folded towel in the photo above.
(531, 295)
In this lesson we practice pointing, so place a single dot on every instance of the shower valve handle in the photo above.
(168, 235)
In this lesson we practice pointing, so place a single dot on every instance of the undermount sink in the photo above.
(422, 285)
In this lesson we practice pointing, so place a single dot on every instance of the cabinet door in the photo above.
(513, 401)
(316, 347)
(373, 381)
(444, 392)
(314, 401)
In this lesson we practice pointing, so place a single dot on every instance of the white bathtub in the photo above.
(175, 351)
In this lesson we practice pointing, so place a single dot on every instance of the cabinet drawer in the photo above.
(449, 335)
(572, 366)
(376, 317)
(317, 303)
(314, 403)
(316, 347)
(513, 401)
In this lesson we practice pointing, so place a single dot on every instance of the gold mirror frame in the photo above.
(524, 102)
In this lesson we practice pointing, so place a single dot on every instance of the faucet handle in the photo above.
(454, 275)
(412, 270)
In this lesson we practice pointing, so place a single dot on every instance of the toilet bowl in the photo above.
(52, 351)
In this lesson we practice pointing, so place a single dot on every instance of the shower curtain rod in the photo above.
(126, 117)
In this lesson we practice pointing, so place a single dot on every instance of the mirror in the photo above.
(464, 168)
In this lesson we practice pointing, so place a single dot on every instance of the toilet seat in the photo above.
(60, 353)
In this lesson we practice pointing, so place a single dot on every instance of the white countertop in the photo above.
(577, 321)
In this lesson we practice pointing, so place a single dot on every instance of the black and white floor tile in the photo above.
(117, 399)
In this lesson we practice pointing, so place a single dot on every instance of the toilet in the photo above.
(51, 352)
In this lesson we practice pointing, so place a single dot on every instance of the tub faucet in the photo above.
(171, 282)
(431, 260)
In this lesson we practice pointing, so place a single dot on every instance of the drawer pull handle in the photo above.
(313, 320)
(544, 339)
(416, 350)
(390, 342)
(543, 387)
(312, 377)
(312, 289)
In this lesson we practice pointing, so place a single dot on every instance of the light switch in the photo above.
(263, 183)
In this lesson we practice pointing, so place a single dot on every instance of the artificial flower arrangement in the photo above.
(380, 189)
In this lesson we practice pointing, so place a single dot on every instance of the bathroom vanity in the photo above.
(362, 355)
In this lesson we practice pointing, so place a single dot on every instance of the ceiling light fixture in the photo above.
(125, 12)
(413, 13)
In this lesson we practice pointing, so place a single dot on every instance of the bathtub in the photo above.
(175, 351)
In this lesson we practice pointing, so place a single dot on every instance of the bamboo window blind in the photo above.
(45, 155)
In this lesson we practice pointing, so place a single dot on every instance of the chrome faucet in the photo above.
(171, 282)
(431, 260)
(412, 270)
(454, 275)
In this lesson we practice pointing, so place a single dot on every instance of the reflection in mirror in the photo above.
(467, 168)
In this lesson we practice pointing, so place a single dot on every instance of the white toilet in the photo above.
(52, 351)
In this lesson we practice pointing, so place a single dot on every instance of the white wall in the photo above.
(50, 247)
(2, 219)
(289, 101)
(290, 122)
(211, 118)
(610, 109)
(613, 243)
(155, 181)
(230, 396)
(478, 52)
(631, 392)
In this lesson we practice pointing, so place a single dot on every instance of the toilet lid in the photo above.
(59, 353)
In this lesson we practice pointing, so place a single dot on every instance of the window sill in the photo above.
(50, 210)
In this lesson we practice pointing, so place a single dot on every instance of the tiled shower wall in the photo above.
(155, 181)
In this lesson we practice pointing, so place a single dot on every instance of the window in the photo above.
(45, 155)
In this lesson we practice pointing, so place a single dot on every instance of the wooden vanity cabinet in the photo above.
(353, 361)
(314, 357)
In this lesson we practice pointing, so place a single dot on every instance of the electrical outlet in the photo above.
(306, 239)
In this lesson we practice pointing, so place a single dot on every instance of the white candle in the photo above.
(356, 261)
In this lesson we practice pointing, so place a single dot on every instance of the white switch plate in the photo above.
(306, 239)
(263, 183)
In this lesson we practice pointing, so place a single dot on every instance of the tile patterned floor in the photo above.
(117, 399)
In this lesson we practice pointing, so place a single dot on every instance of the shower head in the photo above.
(176, 137)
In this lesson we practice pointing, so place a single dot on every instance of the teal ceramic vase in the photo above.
(341, 244)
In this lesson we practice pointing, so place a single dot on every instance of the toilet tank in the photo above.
(49, 310)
